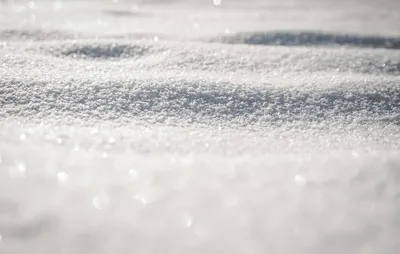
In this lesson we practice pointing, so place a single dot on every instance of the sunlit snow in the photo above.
(199, 126)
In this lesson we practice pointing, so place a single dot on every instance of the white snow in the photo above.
(199, 126)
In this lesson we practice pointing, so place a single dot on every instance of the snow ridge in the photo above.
(287, 38)
(197, 101)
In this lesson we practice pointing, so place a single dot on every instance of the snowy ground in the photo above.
(199, 127)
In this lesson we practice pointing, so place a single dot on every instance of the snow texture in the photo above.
(199, 127)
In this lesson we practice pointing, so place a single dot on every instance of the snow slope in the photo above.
(199, 127)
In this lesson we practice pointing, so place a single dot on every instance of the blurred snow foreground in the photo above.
(199, 127)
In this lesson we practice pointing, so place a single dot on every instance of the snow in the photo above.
(199, 127)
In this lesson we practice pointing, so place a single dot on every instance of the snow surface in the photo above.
(199, 126)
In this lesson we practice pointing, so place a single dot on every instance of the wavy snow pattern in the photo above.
(137, 130)
(171, 56)
(146, 85)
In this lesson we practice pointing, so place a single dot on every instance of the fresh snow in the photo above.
(199, 126)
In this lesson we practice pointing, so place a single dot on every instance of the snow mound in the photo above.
(99, 51)
(310, 39)
(162, 99)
